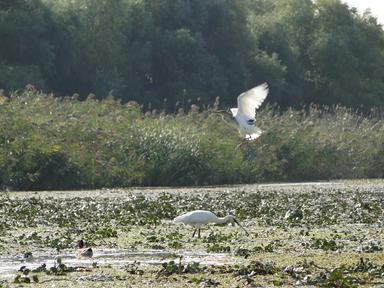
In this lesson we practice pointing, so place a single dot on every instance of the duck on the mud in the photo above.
(82, 251)
(199, 218)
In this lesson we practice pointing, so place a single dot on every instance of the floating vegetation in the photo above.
(101, 277)
(371, 246)
(217, 248)
(323, 235)
(319, 243)
(257, 268)
(169, 268)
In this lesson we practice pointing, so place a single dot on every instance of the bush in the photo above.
(36, 169)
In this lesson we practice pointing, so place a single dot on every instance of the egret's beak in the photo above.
(238, 223)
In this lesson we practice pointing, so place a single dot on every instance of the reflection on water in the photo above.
(116, 258)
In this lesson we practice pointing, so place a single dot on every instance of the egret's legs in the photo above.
(198, 233)
(194, 232)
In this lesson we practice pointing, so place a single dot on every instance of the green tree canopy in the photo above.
(194, 50)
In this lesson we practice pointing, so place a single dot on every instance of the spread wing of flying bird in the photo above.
(251, 100)
(245, 113)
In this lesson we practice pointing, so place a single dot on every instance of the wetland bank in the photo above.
(310, 234)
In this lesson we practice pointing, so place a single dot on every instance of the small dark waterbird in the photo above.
(199, 218)
(82, 251)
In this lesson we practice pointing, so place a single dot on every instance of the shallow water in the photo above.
(115, 258)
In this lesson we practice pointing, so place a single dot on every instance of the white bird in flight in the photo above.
(199, 218)
(247, 103)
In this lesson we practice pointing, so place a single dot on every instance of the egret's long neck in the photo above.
(221, 220)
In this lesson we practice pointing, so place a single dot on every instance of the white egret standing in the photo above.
(199, 218)
(247, 103)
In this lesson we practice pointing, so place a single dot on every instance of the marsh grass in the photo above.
(63, 143)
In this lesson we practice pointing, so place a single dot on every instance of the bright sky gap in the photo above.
(376, 7)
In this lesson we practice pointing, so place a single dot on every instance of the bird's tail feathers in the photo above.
(256, 134)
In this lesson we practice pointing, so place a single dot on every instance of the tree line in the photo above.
(168, 54)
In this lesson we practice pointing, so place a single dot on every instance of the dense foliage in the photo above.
(63, 143)
(309, 51)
